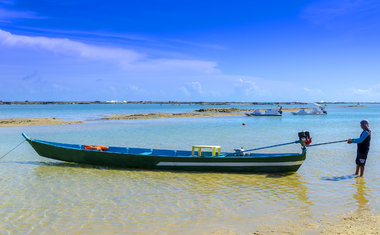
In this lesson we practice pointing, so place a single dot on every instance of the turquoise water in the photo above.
(45, 196)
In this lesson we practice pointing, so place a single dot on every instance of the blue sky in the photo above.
(190, 50)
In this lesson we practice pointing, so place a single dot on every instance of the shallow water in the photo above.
(45, 196)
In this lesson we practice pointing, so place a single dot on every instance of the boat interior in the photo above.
(126, 150)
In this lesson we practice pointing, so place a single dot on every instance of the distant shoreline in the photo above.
(174, 103)
(212, 112)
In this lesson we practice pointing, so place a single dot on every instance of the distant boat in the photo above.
(319, 110)
(355, 105)
(268, 112)
(159, 159)
(312, 112)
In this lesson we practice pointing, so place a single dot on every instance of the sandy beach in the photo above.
(365, 223)
(166, 115)
(350, 224)
(34, 122)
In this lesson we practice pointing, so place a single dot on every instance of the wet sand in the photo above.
(166, 115)
(34, 122)
(354, 224)
(351, 224)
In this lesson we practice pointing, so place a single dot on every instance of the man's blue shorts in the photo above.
(361, 159)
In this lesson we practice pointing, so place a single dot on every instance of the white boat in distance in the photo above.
(268, 112)
(319, 110)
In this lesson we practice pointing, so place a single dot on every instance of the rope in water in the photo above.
(12, 149)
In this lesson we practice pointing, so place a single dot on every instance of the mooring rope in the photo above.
(12, 149)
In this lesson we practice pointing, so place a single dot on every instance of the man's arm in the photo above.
(361, 138)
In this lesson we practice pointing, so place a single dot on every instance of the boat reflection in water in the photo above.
(125, 199)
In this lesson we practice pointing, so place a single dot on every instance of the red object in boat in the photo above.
(99, 148)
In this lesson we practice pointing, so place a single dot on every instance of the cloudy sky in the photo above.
(164, 50)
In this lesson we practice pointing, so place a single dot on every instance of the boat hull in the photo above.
(223, 163)
(263, 115)
(306, 114)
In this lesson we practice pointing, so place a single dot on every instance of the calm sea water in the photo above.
(45, 196)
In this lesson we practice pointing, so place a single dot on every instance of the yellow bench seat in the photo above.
(213, 148)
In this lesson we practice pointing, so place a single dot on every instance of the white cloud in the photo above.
(314, 91)
(192, 88)
(249, 87)
(196, 44)
(373, 91)
(184, 90)
(327, 10)
(196, 86)
(140, 75)
(136, 89)
(69, 47)
(174, 64)
(127, 59)
(133, 88)
(7, 14)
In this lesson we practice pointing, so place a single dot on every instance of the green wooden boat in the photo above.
(159, 159)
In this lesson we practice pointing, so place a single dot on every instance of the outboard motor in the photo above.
(304, 138)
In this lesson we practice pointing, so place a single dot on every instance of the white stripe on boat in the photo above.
(230, 163)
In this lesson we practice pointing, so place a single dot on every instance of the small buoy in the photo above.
(243, 123)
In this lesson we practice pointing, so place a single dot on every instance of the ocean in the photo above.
(44, 196)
